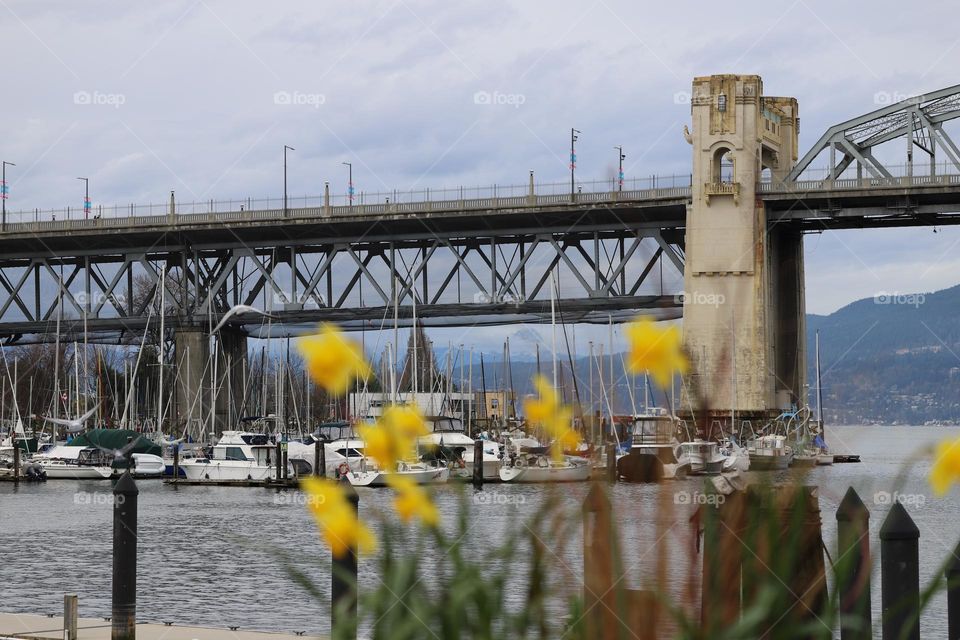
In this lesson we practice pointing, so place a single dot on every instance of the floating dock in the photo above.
(287, 483)
(845, 457)
(21, 625)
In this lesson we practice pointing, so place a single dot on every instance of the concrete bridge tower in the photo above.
(743, 308)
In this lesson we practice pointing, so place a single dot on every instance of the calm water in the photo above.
(204, 559)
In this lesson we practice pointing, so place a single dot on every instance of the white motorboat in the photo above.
(238, 455)
(58, 469)
(542, 468)
(74, 463)
(146, 465)
(703, 456)
(449, 434)
(370, 475)
(653, 451)
(770, 453)
(737, 458)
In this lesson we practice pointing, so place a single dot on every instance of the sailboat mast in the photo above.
(553, 325)
(163, 289)
(819, 389)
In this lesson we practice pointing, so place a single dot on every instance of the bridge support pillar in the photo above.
(231, 377)
(192, 381)
(743, 280)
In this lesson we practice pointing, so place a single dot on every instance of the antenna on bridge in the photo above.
(573, 162)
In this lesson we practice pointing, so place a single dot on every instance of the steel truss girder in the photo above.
(918, 119)
(502, 275)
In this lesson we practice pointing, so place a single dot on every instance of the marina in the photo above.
(215, 527)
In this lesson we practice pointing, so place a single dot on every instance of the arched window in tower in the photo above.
(722, 168)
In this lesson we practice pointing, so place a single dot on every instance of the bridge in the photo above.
(730, 231)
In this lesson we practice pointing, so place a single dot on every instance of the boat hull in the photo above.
(222, 470)
(377, 478)
(768, 463)
(74, 472)
(572, 473)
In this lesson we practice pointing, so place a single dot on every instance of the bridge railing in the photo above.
(803, 186)
(495, 197)
(366, 200)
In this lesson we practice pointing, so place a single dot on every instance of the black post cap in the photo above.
(899, 525)
(852, 507)
(126, 486)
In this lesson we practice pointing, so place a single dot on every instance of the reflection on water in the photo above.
(204, 551)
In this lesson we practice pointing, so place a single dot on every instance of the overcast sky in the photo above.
(199, 96)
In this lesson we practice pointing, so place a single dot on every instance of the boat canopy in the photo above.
(116, 439)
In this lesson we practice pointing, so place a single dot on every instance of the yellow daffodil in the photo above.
(946, 466)
(412, 501)
(338, 523)
(333, 360)
(380, 444)
(658, 351)
(405, 421)
(394, 437)
(547, 411)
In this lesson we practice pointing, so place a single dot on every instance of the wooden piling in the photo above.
(953, 595)
(611, 463)
(900, 575)
(279, 461)
(70, 616)
(124, 608)
(478, 465)
(176, 463)
(853, 568)
(16, 461)
(343, 609)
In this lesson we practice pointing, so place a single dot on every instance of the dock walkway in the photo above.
(22, 625)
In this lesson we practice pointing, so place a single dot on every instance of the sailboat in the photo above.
(526, 465)
(824, 457)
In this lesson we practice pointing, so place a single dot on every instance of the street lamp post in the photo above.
(573, 161)
(620, 172)
(349, 182)
(4, 192)
(285, 147)
(86, 197)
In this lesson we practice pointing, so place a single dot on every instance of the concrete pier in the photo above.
(21, 625)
